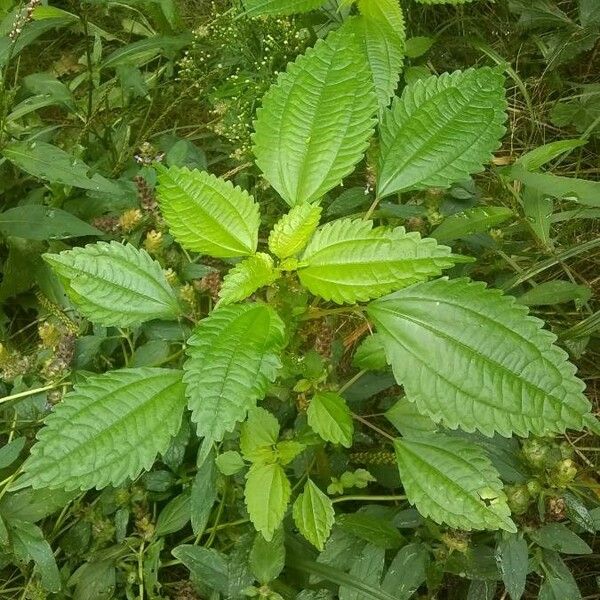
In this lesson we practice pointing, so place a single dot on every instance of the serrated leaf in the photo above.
(267, 559)
(512, 556)
(470, 221)
(279, 7)
(472, 358)
(293, 231)
(207, 214)
(348, 261)
(267, 494)
(259, 433)
(330, 87)
(246, 277)
(313, 515)
(381, 33)
(107, 430)
(233, 355)
(452, 481)
(115, 284)
(329, 416)
(441, 130)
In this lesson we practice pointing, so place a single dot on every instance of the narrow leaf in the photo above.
(470, 221)
(512, 556)
(279, 7)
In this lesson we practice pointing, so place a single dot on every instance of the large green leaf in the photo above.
(329, 416)
(349, 261)
(380, 30)
(314, 515)
(108, 429)
(233, 355)
(246, 277)
(293, 231)
(279, 7)
(115, 284)
(315, 122)
(208, 214)
(441, 130)
(452, 481)
(472, 358)
(267, 494)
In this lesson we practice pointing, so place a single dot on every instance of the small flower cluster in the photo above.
(23, 17)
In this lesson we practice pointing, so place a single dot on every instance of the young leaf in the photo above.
(207, 214)
(452, 481)
(441, 130)
(329, 416)
(470, 221)
(259, 433)
(472, 358)
(233, 355)
(107, 430)
(370, 354)
(349, 261)
(315, 122)
(292, 232)
(115, 284)
(267, 559)
(512, 556)
(314, 515)
(267, 494)
(246, 277)
(279, 7)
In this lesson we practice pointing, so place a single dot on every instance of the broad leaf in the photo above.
(267, 559)
(349, 261)
(452, 481)
(206, 565)
(233, 355)
(407, 571)
(267, 494)
(316, 121)
(258, 435)
(293, 231)
(115, 284)
(512, 556)
(470, 221)
(107, 430)
(207, 214)
(558, 537)
(441, 130)
(314, 515)
(246, 277)
(279, 7)
(329, 416)
(368, 567)
(474, 359)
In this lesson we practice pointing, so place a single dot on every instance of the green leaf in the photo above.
(407, 571)
(405, 417)
(28, 543)
(329, 416)
(293, 231)
(441, 130)
(371, 528)
(259, 435)
(204, 494)
(538, 157)
(555, 292)
(538, 209)
(207, 214)
(329, 86)
(267, 494)
(279, 7)
(472, 358)
(246, 277)
(115, 284)
(107, 430)
(50, 223)
(174, 516)
(313, 515)
(233, 355)
(348, 261)
(444, 1)
(418, 46)
(230, 462)
(559, 583)
(558, 537)
(11, 451)
(206, 565)
(45, 161)
(143, 51)
(470, 221)
(370, 354)
(267, 559)
(380, 31)
(512, 556)
(367, 567)
(452, 481)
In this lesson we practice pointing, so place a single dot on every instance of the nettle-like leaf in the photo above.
(107, 430)
(452, 481)
(349, 261)
(314, 515)
(293, 231)
(267, 494)
(441, 130)
(115, 284)
(316, 121)
(472, 358)
(233, 355)
(279, 7)
(258, 436)
(329, 416)
(246, 277)
(207, 214)
(380, 31)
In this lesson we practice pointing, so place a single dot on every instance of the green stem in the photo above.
(368, 499)
(30, 392)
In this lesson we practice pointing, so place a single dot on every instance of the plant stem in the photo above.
(367, 499)
(373, 427)
(30, 392)
(351, 381)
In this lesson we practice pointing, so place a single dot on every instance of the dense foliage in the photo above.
(299, 300)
